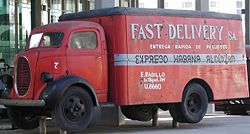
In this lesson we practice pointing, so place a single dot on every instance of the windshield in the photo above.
(50, 39)
(35, 39)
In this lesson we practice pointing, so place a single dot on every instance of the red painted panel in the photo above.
(201, 48)
(205, 40)
(116, 40)
(51, 60)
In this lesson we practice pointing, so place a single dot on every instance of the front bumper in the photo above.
(22, 103)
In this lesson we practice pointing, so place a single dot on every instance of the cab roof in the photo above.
(65, 26)
(146, 12)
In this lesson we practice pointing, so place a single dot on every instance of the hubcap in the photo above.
(194, 103)
(74, 108)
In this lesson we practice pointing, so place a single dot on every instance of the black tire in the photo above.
(23, 118)
(140, 113)
(74, 111)
(193, 107)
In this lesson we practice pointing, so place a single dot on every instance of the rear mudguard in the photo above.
(56, 89)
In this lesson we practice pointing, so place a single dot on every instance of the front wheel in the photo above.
(193, 107)
(74, 111)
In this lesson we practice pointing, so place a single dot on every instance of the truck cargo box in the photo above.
(154, 53)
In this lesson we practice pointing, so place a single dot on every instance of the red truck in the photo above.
(139, 59)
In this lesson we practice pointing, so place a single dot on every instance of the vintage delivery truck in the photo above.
(139, 59)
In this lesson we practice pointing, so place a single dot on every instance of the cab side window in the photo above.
(83, 40)
(52, 39)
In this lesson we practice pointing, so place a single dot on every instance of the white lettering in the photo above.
(158, 26)
(133, 29)
(220, 28)
(179, 30)
(141, 33)
(212, 32)
(205, 30)
(192, 31)
(171, 31)
(150, 34)
(198, 31)
(186, 32)
(56, 65)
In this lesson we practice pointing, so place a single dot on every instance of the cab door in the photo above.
(84, 57)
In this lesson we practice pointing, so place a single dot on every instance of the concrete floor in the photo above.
(212, 124)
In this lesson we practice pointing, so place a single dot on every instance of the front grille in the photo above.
(23, 77)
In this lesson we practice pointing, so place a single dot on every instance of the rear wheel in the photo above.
(193, 106)
(74, 111)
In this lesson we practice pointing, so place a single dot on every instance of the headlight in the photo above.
(46, 77)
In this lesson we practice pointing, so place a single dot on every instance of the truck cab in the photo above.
(59, 57)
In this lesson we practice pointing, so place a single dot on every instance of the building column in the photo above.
(247, 22)
(85, 5)
(63, 6)
(104, 3)
(77, 5)
(16, 25)
(202, 5)
(134, 3)
(36, 14)
(161, 4)
(48, 9)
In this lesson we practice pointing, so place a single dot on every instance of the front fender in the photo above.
(55, 89)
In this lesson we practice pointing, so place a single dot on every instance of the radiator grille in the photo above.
(23, 76)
